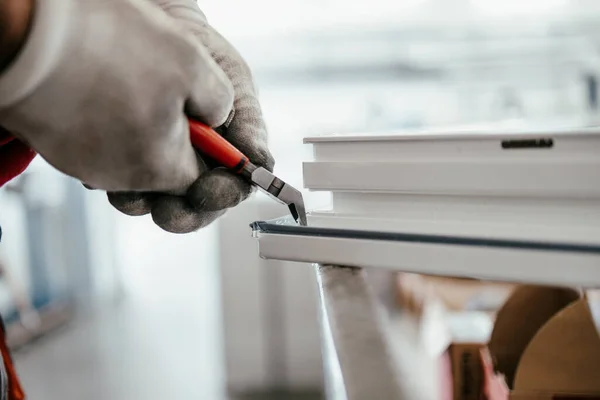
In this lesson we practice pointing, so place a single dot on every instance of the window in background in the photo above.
(353, 65)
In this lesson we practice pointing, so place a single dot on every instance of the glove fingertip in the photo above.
(212, 95)
(132, 204)
(217, 190)
(268, 161)
(173, 214)
(256, 149)
(261, 157)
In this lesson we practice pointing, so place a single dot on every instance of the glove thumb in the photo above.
(211, 92)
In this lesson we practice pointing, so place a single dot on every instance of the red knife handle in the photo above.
(213, 145)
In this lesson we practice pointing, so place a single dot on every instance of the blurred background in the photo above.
(102, 306)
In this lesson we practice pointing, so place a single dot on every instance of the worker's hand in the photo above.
(217, 189)
(101, 89)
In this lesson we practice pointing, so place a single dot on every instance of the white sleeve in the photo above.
(41, 52)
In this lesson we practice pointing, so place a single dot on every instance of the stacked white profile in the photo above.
(519, 185)
(519, 205)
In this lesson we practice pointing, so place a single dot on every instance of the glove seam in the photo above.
(230, 117)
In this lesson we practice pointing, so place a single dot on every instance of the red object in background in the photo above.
(15, 392)
(15, 157)
(446, 383)
(494, 386)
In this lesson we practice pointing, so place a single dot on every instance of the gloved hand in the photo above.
(101, 90)
(217, 189)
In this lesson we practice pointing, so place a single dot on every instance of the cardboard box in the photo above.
(546, 346)
(523, 314)
(563, 357)
(467, 372)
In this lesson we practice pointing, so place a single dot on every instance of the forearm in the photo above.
(15, 21)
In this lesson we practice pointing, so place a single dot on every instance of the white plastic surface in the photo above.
(458, 164)
(270, 309)
(545, 220)
(504, 264)
(461, 182)
(456, 182)
(462, 132)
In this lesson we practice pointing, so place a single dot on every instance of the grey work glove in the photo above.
(101, 90)
(216, 189)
